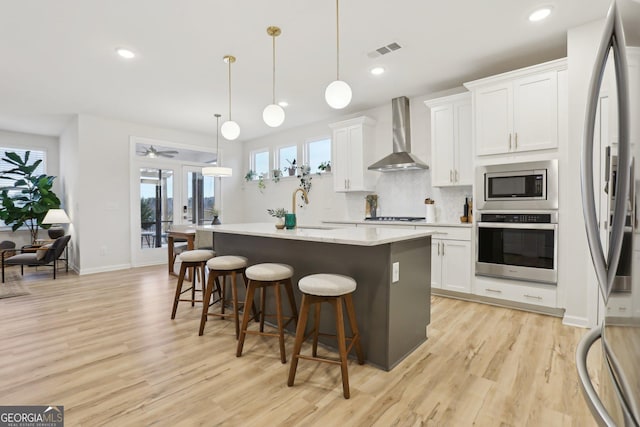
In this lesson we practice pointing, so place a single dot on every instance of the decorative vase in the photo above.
(374, 213)
(216, 220)
(280, 224)
(290, 221)
(292, 171)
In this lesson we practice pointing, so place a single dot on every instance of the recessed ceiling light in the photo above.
(377, 71)
(125, 53)
(540, 14)
(283, 104)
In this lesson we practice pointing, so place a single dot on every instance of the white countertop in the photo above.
(369, 236)
(416, 223)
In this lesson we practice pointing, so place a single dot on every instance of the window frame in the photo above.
(306, 151)
(252, 162)
(276, 159)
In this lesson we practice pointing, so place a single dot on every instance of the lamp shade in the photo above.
(56, 216)
(338, 94)
(230, 130)
(273, 115)
(216, 171)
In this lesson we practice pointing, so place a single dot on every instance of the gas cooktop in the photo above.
(396, 218)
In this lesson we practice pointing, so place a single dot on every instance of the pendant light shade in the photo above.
(230, 129)
(338, 94)
(273, 114)
(217, 170)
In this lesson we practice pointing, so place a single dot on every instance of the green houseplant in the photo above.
(278, 213)
(26, 201)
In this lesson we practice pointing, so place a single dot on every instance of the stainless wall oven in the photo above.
(518, 245)
(530, 185)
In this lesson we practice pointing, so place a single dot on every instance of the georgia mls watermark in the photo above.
(32, 416)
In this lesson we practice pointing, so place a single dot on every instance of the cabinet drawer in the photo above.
(619, 306)
(451, 233)
(527, 294)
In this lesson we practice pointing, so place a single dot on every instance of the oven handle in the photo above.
(612, 39)
(521, 226)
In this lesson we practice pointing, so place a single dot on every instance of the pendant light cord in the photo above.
(217, 139)
(229, 89)
(274, 68)
(337, 42)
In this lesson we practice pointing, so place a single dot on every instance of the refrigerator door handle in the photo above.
(613, 38)
(591, 396)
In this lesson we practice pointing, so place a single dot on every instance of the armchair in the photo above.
(44, 256)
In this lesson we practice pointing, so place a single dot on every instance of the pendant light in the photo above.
(338, 93)
(217, 170)
(273, 114)
(230, 129)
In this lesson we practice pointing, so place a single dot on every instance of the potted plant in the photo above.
(261, 184)
(305, 177)
(291, 169)
(215, 213)
(29, 198)
(277, 173)
(324, 167)
(278, 213)
(250, 176)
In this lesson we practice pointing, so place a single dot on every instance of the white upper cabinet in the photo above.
(451, 142)
(350, 158)
(517, 111)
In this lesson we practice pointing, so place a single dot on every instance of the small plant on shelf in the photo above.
(324, 167)
(250, 176)
(291, 169)
(261, 184)
(277, 174)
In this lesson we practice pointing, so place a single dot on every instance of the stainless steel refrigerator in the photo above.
(617, 401)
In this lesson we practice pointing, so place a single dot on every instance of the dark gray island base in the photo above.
(392, 317)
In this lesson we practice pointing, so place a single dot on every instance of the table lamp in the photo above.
(56, 216)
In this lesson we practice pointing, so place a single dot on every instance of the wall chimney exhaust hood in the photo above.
(401, 158)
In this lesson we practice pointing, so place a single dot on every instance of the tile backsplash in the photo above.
(402, 194)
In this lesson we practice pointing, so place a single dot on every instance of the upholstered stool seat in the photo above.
(334, 289)
(223, 267)
(263, 276)
(195, 259)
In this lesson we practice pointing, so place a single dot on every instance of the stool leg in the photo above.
(193, 286)
(206, 300)
(297, 346)
(253, 305)
(351, 314)
(283, 356)
(263, 298)
(316, 329)
(342, 347)
(292, 300)
(183, 269)
(234, 300)
(223, 293)
(245, 318)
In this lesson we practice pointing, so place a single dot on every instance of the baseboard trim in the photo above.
(556, 312)
(580, 322)
(104, 269)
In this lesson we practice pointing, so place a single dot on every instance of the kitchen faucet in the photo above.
(305, 196)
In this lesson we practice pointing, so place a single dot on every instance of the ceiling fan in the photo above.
(153, 152)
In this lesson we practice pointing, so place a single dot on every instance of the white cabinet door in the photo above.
(350, 158)
(451, 141)
(442, 140)
(456, 266)
(493, 118)
(436, 264)
(464, 143)
(340, 159)
(535, 112)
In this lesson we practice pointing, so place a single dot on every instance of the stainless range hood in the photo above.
(401, 158)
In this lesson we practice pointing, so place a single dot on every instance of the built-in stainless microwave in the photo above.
(518, 186)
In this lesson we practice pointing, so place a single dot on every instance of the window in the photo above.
(260, 163)
(287, 159)
(318, 152)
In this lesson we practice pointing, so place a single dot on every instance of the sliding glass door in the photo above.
(198, 196)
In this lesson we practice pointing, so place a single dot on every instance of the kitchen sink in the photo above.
(313, 227)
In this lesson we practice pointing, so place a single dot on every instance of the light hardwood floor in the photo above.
(104, 346)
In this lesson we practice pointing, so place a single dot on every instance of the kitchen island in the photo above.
(392, 312)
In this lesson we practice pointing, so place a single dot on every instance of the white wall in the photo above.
(70, 180)
(577, 274)
(49, 144)
(400, 193)
(101, 186)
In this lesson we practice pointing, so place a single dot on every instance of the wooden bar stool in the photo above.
(191, 259)
(262, 276)
(220, 268)
(331, 288)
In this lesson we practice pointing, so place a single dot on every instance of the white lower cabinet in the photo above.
(451, 260)
(543, 295)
